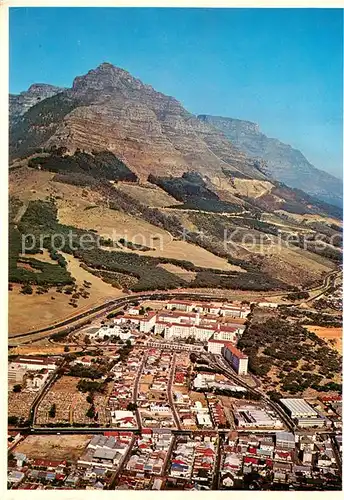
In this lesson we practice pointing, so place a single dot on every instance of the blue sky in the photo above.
(281, 68)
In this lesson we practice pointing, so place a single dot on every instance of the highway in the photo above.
(156, 295)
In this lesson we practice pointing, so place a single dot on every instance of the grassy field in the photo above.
(115, 225)
(148, 194)
(61, 447)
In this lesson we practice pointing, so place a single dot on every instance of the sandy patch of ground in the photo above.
(67, 447)
(179, 271)
(328, 333)
(38, 350)
(252, 188)
(180, 388)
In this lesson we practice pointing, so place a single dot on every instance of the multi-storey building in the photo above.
(237, 359)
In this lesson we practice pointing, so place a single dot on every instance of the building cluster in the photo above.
(93, 470)
(216, 325)
(249, 415)
(303, 413)
(332, 299)
(206, 381)
(106, 451)
(149, 453)
(29, 374)
(125, 376)
(280, 458)
(194, 458)
(153, 401)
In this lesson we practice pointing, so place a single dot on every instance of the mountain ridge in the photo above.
(283, 162)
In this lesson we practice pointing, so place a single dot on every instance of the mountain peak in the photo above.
(106, 76)
(43, 88)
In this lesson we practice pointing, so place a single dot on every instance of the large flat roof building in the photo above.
(298, 408)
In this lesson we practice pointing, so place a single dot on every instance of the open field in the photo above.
(115, 225)
(328, 333)
(31, 312)
(40, 348)
(179, 271)
(148, 194)
(67, 447)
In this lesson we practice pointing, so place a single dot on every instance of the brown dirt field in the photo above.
(179, 271)
(30, 312)
(144, 388)
(252, 188)
(198, 396)
(147, 194)
(38, 350)
(328, 334)
(147, 379)
(67, 447)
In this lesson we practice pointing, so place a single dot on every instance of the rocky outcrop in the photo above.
(283, 162)
(21, 103)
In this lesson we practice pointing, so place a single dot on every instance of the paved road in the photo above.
(337, 455)
(170, 393)
(216, 475)
(123, 301)
(136, 390)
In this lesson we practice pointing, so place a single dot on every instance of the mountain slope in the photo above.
(283, 162)
(22, 102)
(108, 109)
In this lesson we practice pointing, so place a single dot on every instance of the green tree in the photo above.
(132, 407)
(27, 289)
(17, 388)
(91, 413)
(66, 348)
(52, 411)
(12, 420)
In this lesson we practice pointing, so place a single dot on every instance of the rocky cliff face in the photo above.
(20, 104)
(149, 131)
(283, 162)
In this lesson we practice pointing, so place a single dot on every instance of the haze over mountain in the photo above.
(283, 162)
